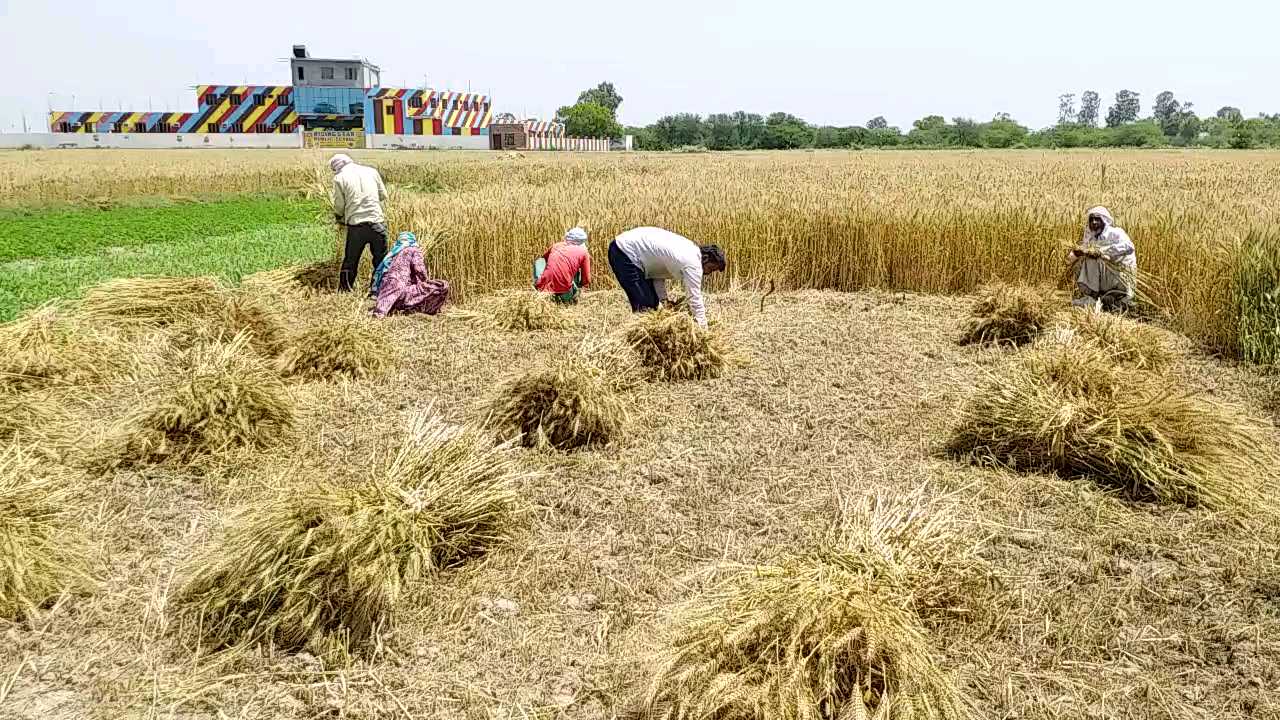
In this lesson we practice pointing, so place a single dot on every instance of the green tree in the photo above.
(966, 132)
(750, 128)
(679, 130)
(930, 130)
(604, 95)
(1125, 110)
(590, 120)
(877, 123)
(1003, 132)
(1137, 134)
(1066, 108)
(783, 131)
(1090, 104)
(722, 132)
(1167, 113)
(1230, 114)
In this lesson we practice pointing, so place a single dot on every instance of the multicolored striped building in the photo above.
(271, 109)
(220, 109)
(401, 111)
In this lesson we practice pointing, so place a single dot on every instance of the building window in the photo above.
(235, 128)
(434, 102)
(235, 100)
(117, 127)
(262, 128)
(415, 101)
(64, 127)
(301, 75)
(164, 128)
(140, 127)
(286, 128)
(351, 73)
(210, 99)
(326, 73)
(211, 128)
(259, 99)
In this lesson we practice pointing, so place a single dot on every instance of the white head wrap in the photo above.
(1102, 214)
(339, 161)
(576, 236)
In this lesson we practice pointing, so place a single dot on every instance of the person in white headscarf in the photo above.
(565, 268)
(358, 194)
(1106, 264)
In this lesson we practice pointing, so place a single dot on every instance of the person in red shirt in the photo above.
(564, 269)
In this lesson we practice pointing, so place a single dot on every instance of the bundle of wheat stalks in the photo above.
(40, 552)
(332, 560)
(338, 344)
(566, 404)
(672, 346)
(1079, 410)
(835, 633)
(47, 347)
(1009, 313)
(527, 310)
(216, 397)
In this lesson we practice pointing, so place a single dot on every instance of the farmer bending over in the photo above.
(644, 259)
(565, 268)
(358, 193)
(402, 284)
(1107, 265)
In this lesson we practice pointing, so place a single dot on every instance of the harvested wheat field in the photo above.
(789, 538)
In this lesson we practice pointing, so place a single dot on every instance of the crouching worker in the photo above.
(565, 268)
(1106, 265)
(402, 285)
(644, 259)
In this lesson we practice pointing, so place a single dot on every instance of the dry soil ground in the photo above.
(1111, 609)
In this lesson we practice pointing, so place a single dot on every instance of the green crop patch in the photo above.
(28, 234)
(29, 282)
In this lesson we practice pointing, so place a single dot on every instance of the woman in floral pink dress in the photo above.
(402, 285)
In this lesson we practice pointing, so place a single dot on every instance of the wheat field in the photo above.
(933, 222)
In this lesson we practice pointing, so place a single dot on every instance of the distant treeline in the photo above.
(1171, 124)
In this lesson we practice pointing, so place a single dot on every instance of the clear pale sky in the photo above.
(830, 63)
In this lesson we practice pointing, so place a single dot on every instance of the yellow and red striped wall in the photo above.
(403, 111)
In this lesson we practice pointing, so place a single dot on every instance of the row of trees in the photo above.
(1171, 122)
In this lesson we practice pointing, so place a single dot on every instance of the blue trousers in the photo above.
(639, 290)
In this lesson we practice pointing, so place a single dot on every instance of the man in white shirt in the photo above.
(358, 193)
(644, 259)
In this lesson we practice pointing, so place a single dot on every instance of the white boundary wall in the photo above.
(151, 140)
(427, 142)
(540, 142)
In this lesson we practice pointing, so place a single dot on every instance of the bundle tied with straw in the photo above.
(217, 397)
(568, 402)
(671, 346)
(834, 633)
(47, 347)
(1077, 410)
(331, 561)
(1006, 313)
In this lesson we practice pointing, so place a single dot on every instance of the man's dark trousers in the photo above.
(358, 236)
(640, 292)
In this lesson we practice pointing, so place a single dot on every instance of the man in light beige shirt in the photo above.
(358, 193)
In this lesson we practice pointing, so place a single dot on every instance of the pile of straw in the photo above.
(46, 348)
(1126, 341)
(830, 634)
(339, 345)
(218, 397)
(671, 346)
(40, 552)
(151, 300)
(527, 311)
(236, 311)
(1075, 410)
(565, 405)
(331, 561)
(1013, 314)
(320, 276)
